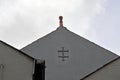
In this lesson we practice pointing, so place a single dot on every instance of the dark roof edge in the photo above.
(101, 68)
(16, 49)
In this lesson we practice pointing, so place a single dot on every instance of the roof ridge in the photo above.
(64, 28)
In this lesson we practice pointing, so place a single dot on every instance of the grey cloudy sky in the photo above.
(24, 21)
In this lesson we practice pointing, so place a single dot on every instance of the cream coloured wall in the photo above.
(17, 66)
(109, 72)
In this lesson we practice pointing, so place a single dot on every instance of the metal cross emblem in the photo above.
(63, 56)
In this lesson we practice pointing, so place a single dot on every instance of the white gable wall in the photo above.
(84, 56)
(109, 72)
(17, 66)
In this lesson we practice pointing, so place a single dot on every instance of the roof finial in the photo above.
(61, 22)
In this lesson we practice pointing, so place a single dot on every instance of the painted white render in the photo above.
(14, 65)
(109, 72)
(81, 57)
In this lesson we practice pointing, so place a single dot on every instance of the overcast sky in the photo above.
(24, 21)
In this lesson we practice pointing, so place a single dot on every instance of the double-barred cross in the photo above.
(63, 56)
